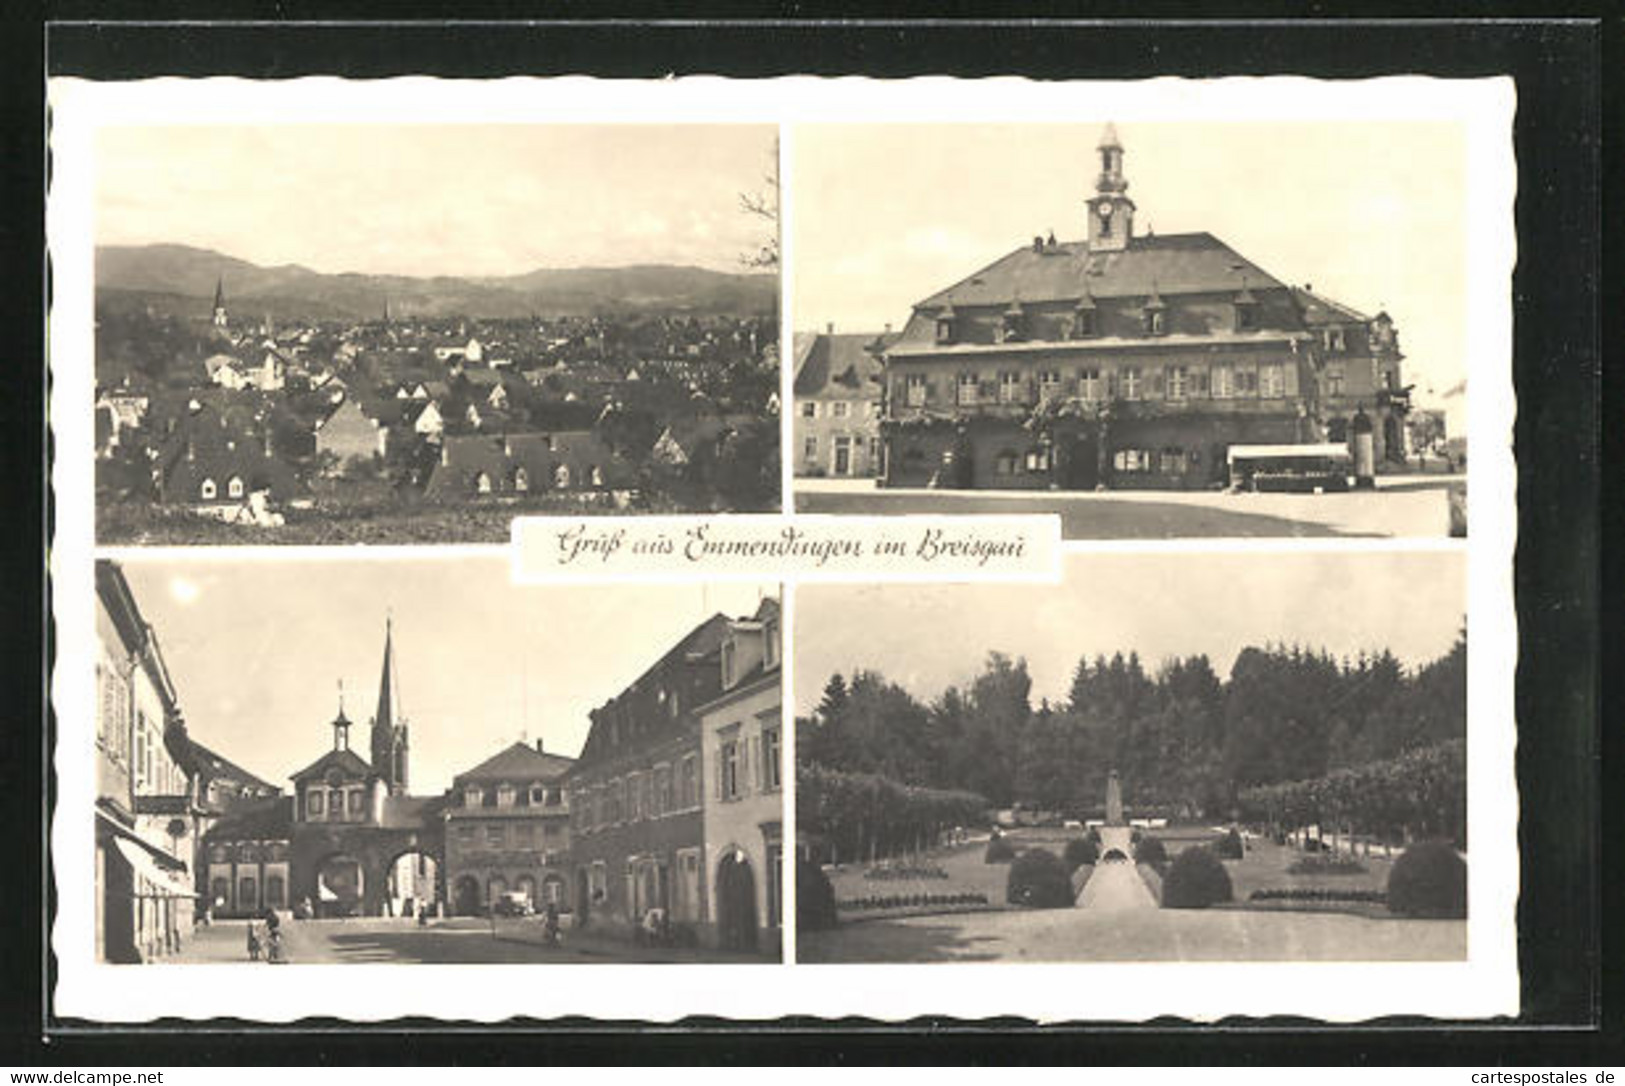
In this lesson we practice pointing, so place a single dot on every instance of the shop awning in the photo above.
(168, 881)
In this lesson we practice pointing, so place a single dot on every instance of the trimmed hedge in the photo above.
(1195, 880)
(1150, 850)
(999, 851)
(1039, 880)
(1230, 846)
(1080, 851)
(1429, 880)
(964, 899)
(815, 898)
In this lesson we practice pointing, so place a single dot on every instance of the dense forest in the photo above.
(1185, 743)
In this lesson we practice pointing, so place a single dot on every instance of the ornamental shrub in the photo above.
(815, 898)
(1429, 879)
(1039, 880)
(998, 851)
(1079, 851)
(1230, 847)
(1150, 850)
(1195, 880)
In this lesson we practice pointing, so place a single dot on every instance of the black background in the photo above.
(1564, 104)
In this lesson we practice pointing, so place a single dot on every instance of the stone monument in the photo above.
(1114, 800)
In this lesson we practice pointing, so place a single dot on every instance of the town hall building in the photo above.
(1128, 359)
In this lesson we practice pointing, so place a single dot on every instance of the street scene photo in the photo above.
(329, 762)
(987, 321)
(1168, 757)
(409, 334)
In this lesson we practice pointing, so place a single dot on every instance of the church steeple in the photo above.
(220, 302)
(389, 736)
(1111, 212)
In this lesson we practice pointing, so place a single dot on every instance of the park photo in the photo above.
(1171, 757)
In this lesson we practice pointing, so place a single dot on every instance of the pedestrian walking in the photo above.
(253, 940)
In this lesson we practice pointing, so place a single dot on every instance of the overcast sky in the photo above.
(1371, 214)
(438, 200)
(927, 637)
(257, 650)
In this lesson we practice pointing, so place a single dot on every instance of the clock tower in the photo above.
(1111, 212)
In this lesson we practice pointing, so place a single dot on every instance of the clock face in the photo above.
(1105, 210)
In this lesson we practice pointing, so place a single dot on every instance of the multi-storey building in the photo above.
(1128, 359)
(742, 738)
(146, 809)
(637, 832)
(508, 831)
(838, 404)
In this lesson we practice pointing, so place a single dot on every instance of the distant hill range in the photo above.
(180, 280)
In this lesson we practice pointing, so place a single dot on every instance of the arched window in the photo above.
(561, 476)
(208, 490)
(521, 479)
(597, 475)
(482, 483)
(234, 487)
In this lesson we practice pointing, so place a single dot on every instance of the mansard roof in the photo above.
(1318, 309)
(1170, 263)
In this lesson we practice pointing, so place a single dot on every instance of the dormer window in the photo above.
(1334, 340)
(234, 487)
(506, 794)
(945, 325)
(1155, 324)
(521, 479)
(473, 796)
(207, 491)
(1084, 320)
(1013, 324)
(770, 645)
(561, 476)
(482, 483)
(728, 654)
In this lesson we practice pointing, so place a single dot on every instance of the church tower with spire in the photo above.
(390, 740)
(1111, 212)
(219, 318)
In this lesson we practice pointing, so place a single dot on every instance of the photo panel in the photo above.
(412, 333)
(1061, 318)
(323, 761)
(1264, 759)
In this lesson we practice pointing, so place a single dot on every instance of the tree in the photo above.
(764, 204)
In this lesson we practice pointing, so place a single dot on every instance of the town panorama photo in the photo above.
(407, 334)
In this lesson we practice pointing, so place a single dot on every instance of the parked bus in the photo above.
(1302, 469)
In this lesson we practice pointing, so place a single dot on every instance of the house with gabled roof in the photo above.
(837, 387)
(578, 462)
(508, 831)
(1127, 359)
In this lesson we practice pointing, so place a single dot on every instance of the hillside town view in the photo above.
(243, 400)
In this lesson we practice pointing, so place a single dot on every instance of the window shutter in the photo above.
(1289, 378)
(1157, 381)
(1199, 382)
(1111, 383)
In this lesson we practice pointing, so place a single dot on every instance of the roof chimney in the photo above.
(829, 329)
(888, 328)
(1038, 243)
(539, 747)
